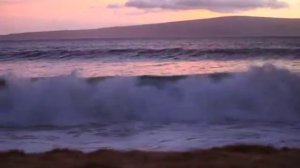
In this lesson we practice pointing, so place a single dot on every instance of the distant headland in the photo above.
(232, 26)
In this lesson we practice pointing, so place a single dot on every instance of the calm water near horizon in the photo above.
(92, 58)
(252, 94)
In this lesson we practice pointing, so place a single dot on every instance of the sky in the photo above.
(43, 15)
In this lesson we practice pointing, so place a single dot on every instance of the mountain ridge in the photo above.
(231, 26)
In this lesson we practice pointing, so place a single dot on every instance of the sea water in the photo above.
(149, 94)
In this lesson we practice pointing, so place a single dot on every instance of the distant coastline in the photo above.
(232, 26)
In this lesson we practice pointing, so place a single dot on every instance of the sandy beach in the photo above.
(239, 156)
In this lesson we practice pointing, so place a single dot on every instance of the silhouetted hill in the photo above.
(234, 26)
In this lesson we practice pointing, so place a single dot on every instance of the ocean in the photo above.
(149, 94)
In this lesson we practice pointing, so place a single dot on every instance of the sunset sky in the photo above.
(41, 15)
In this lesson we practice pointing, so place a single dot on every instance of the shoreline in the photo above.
(233, 156)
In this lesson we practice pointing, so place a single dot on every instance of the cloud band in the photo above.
(212, 5)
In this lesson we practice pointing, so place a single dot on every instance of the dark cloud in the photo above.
(213, 5)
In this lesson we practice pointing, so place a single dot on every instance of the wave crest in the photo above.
(157, 54)
(261, 94)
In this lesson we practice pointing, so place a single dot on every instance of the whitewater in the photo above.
(149, 94)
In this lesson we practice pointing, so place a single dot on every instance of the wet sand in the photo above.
(239, 156)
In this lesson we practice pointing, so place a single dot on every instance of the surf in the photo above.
(264, 94)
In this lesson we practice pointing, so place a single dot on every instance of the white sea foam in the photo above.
(264, 94)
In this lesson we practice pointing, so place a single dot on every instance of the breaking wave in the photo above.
(263, 94)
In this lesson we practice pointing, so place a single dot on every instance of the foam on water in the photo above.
(149, 136)
(262, 94)
(91, 111)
